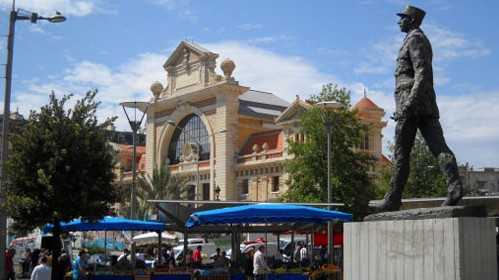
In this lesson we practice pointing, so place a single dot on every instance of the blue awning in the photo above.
(265, 213)
(108, 223)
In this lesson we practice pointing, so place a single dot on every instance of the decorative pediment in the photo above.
(293, 112)
(187, 52)
(189, 66)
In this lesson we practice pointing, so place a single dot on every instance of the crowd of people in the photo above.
(36, 265)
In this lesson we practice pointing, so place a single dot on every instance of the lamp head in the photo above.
(58, 17)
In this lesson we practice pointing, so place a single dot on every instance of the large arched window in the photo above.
(190, 130)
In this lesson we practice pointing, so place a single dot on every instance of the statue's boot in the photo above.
(454, 194)
(391, 202)
(455, 187)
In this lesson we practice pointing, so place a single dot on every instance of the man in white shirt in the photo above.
(123, 258)
(303, 255)
(42, 271)
(260, 267)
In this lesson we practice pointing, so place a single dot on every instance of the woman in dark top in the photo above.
(248, 264)
(34, 257)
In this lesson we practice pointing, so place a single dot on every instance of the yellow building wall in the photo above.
(246, 128)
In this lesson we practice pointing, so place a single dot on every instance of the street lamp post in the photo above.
(14, 16)
(330, 235)
(135, 126)
(328, 124)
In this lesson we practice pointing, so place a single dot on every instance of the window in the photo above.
(275, 184)
(245, 187)
(206, 191)
(191, 192)
(190, 130)
(364, 142)
(302, 138)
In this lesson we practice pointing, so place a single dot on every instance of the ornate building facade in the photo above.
(228, 140)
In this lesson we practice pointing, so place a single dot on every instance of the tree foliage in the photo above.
(60, 166)
(161, 185)
(425, 178)
(349, 169)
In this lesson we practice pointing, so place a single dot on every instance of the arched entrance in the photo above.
(191, 130)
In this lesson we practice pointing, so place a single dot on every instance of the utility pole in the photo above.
(5, 132)
(13, 17)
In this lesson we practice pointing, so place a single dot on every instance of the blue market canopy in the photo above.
(108, 223)
(265, 213)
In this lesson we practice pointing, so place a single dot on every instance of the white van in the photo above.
(207, 249)
(270, 249)
(192, 241)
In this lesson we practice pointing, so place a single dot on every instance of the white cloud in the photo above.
(447, 46)
(471, 117)
(35, 28)
(268, 71)
(89, 72)
(469, 121)
(182, 8)
(429, 4)
(269, 39)
(250, 26)
(380, 57)
(130, 81)
(169, 4)
(450, 45)
(48, 7)
(367, 68)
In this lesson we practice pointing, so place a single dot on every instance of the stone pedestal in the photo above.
(457, 248)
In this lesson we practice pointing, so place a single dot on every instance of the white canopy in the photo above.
(152, 238)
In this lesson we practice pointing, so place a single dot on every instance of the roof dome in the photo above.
(366, 104)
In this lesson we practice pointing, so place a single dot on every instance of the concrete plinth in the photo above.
(447, 248)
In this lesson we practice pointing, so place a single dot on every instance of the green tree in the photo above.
(60, 167)
(308, 168)
(161, 185)
(425, 178)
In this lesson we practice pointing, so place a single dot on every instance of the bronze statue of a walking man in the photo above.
(416, 108)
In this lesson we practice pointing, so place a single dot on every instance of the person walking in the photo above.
(42, 271)
(9, 273)
(80, 265)
(304, 261)
(26, 264)
(123, 258)
(248, 263)
(197, 258)
(35, 255)
(260, 267)
(64, 264)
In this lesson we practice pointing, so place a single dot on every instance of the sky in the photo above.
(287, 47)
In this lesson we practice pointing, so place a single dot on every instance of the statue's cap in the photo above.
(415, 13)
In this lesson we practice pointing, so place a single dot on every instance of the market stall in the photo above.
(110, 223)
(265, 213)
(243, 217)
